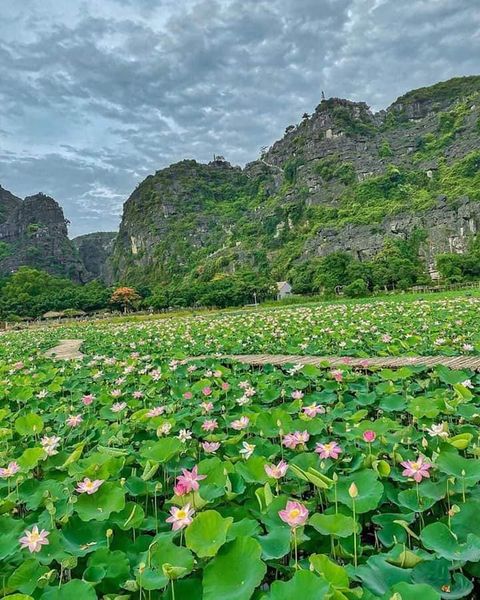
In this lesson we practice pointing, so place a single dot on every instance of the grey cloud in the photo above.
(96, 96)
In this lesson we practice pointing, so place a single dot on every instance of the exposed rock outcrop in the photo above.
(304, 196)
(34, 233)
(449, 227)
(95, 250)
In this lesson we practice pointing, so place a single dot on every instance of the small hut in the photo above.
(284, 289)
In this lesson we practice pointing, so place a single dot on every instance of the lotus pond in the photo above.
(445, 326)
(130, 476)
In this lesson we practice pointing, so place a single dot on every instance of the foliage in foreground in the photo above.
(133, 478)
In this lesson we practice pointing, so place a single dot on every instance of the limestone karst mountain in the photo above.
(344, 178)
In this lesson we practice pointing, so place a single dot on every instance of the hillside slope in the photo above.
(344, 178)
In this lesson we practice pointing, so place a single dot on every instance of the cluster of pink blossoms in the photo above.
(188, 482)
(292, 440)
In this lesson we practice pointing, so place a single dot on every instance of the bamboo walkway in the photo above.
(389, 362)
(66, 350)
(70, 349)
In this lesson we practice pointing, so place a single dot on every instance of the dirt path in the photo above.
(453, 362)
(66, 350)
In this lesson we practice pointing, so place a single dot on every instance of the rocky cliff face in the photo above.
(344, 178)
(94, 250)
(33, 233)
(449, 227)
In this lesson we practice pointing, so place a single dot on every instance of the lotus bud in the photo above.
(454, 509)
(353, 491)
(424, 443)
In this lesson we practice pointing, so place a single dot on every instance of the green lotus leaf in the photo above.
(26, 576)
(235, 572)
(161, 451)
(94, 575)
(151, 579)
(414, 591)
(132, 516)
(391, 530)
(465, 469)
(207, 533)
(370, 491)
(31, 424)
(378, 576)
(304, 584)
(436, 573)
(81, 538)
(31, 457)
(334, 574)
(163, 551)
(253, 469)
(243, 528)
(75, 589)
(10, 531)
(276, 543)
(114, 564)
(465, 521)
(109, 498)
(439, 538)
(337, 525)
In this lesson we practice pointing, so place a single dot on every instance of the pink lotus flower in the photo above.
(189, 479)
(206, 407)
(297, 395)
(116, 393)
(34, 540)
(180, 517)
(88, 487)
(74, 420)
(417, 469)
(386, 338)
(369, 436)
(225, 386)
(10, 471)
(87, 399)
(276, 471)
(184, 435)
(210, 447)
(137, 395)
(240, 424)
(206, 391)
(49, 444)
(209, 425)
(188, 395)
(118, 407)
(180, 489)
(329, 450)
(156, 411)
(313, 410)
(337, 374)
(292, 440)
(164, 429)
(295, 514)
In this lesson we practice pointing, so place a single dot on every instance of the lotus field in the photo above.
(140, 472)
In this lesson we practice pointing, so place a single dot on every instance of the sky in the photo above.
(97, 94)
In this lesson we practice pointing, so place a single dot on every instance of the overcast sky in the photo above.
(97, 94)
